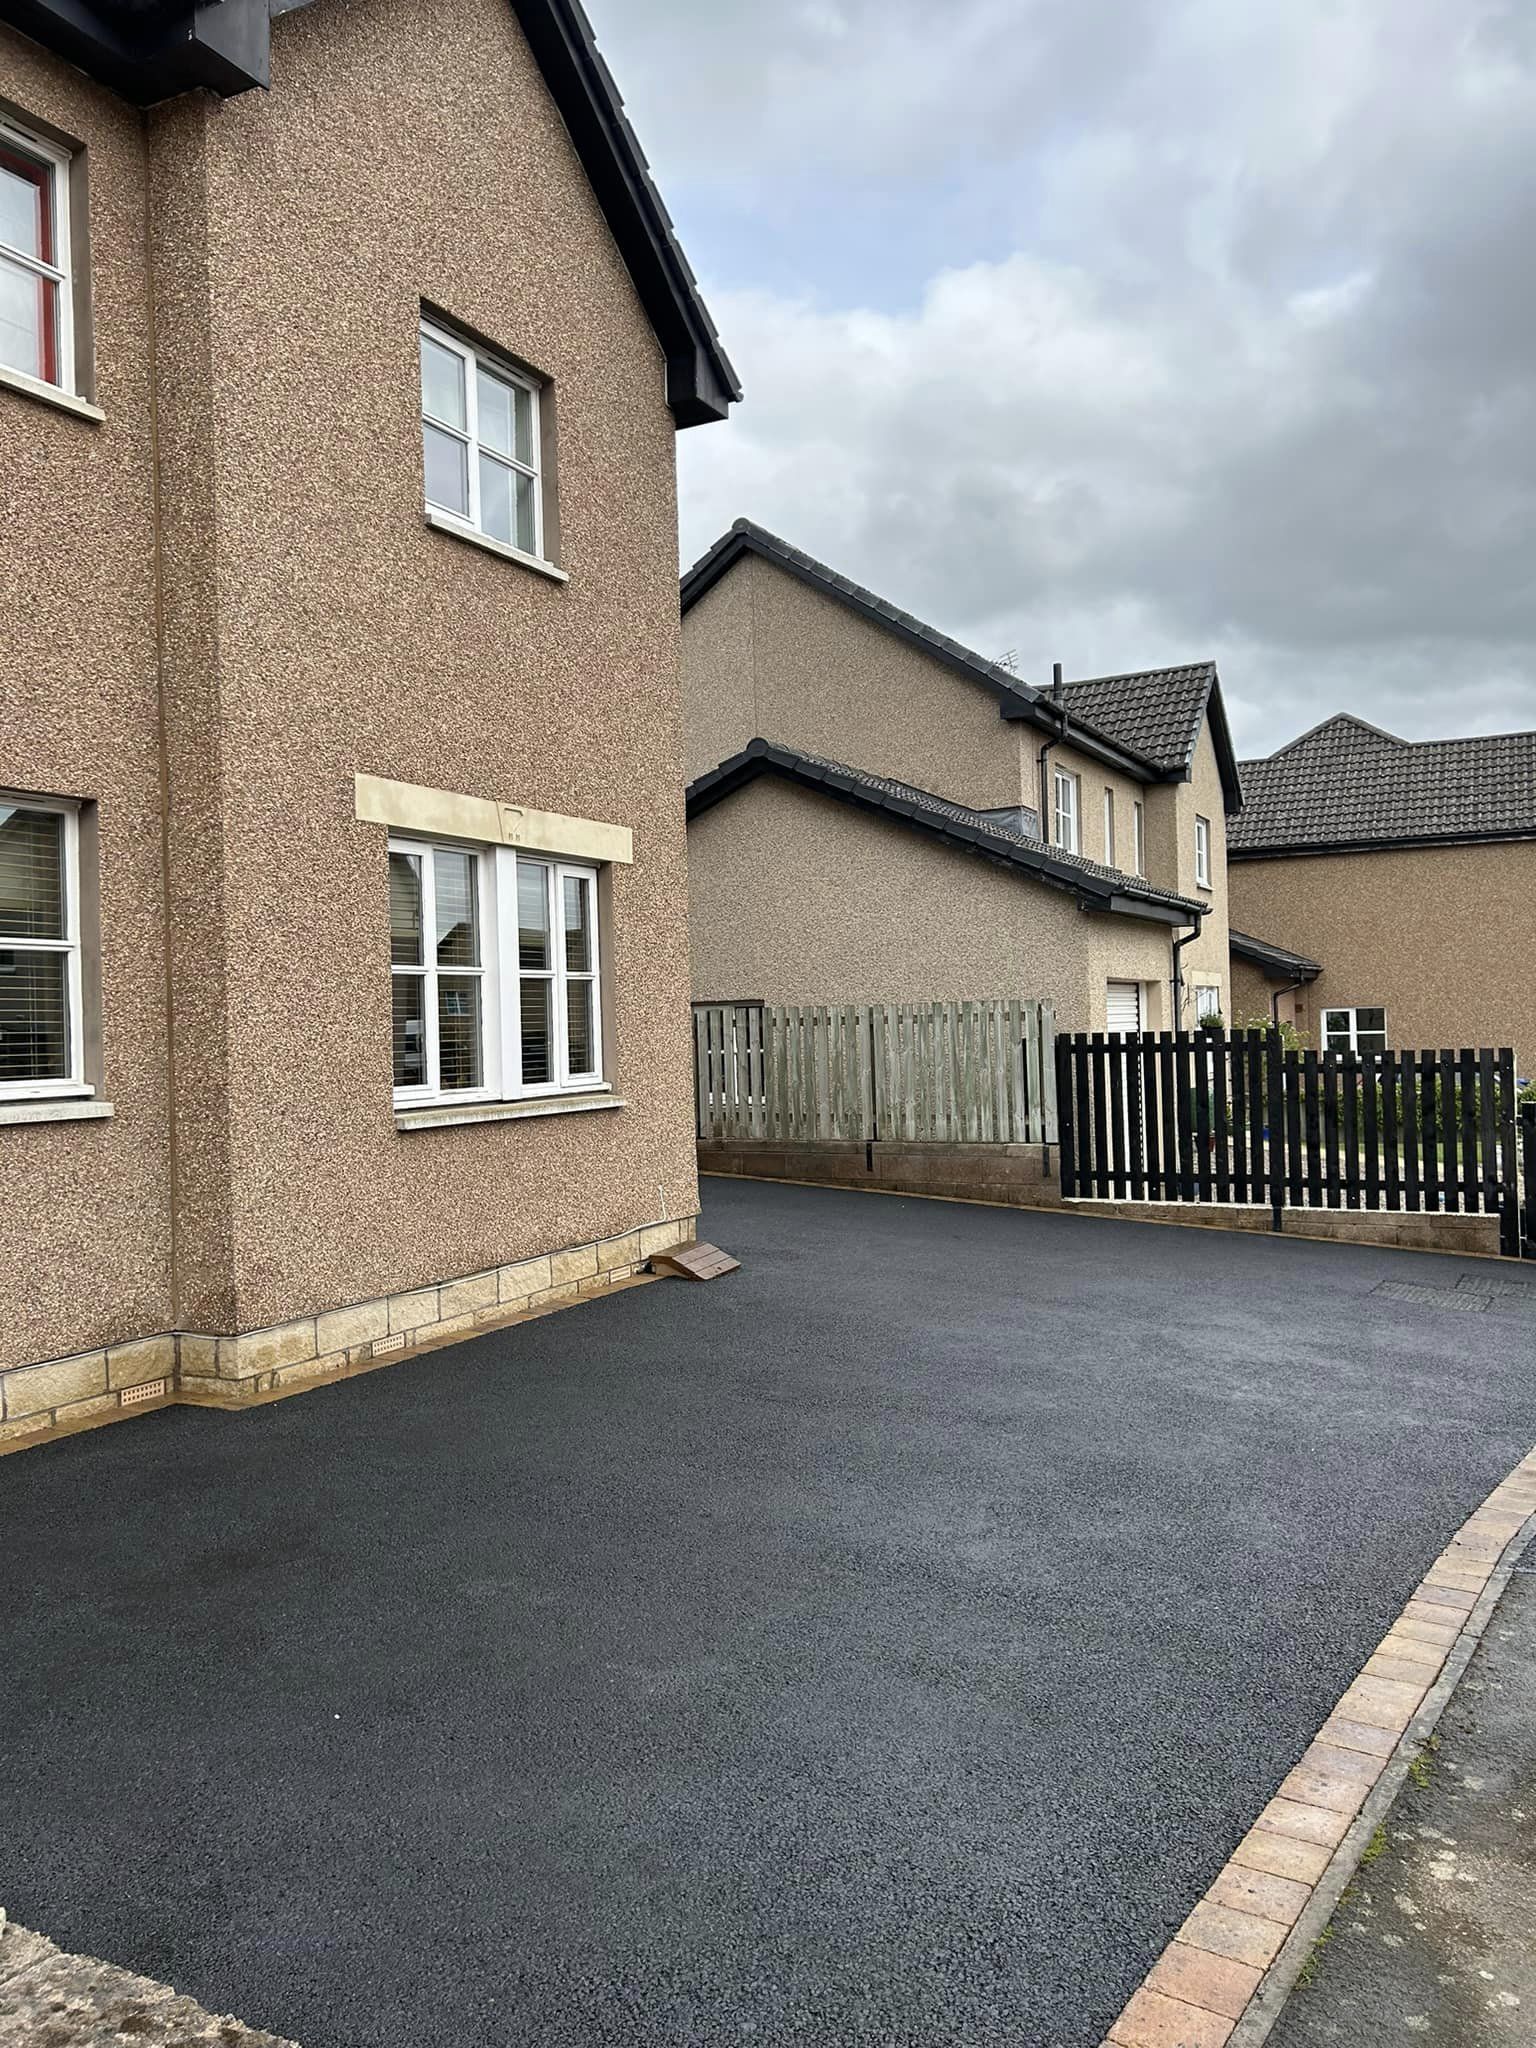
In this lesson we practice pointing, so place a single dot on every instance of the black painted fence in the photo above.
(1203, 1117)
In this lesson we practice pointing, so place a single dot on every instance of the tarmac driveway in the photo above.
(885, 1644)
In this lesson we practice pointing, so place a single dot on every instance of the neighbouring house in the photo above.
(877, 813)
(343, 920)
(1391, 889)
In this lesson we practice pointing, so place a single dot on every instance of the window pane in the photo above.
(446, 465)
(34, 1016)
(458, 935)
(534, 1007)
(1370, 1020)
(31, 873)
(25, 191)
(410, 1031)
(27, 314)
(580, 1052)
(1336, 1041)
(496, 498)
(532, 915)
(527, 532)
(495, 400)
(404, 910)
(1371, 1041)
(458, 1030)
(442, 383)
(578, 925)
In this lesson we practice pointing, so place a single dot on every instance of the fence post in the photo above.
(1276, 1125)
(1514, 1234)
(1065, 1118)
(1525, 1212)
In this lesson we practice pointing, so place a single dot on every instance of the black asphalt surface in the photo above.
(885, 1644)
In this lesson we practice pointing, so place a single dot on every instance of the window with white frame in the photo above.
(1203, 853)
(1207, 1001)
(1354, 1030)
(1109, 827)
(1064, 831)
(36, 325)
(1139, 838)
(480, 442)
(41, 1036)
(494, 960)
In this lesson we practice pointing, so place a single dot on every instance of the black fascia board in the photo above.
(147, 54)
(761, 757)
(1400, 842)
(1015, 701)
(701, 383)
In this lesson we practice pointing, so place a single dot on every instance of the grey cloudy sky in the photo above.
(1119, 332)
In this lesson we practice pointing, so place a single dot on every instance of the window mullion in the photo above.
(472, 422)
(560, 1065)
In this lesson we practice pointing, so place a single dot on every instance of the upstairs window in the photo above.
(493, 956)
(1203, 853)
(1139, 838)
(1109, 827)
(1064, 832)
(480, 443)
(36, 331)
(41, 1049)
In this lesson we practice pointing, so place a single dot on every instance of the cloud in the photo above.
(1128, 331)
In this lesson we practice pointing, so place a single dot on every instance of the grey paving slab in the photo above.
(887, 1643)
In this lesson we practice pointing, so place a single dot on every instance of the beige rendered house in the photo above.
(1392, 885)
(343, 977)
(878, 814)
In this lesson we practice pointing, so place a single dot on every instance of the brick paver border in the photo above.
(1223, 1979)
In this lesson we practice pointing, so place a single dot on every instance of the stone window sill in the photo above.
(445, 522)
(62, 1109)
(49, 394)
(434, 1115)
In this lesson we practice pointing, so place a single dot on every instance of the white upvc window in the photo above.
(1064, 829)
(1109, 827)
(1207, 1000)
(1362, 1030)
(42, 1038)
(36, 315)
(1139, 838)
(494, 962)
(480, 442)
(1203, 853)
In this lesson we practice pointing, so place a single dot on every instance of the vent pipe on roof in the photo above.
(1045, 792)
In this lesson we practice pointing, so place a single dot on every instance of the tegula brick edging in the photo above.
(1223, 1980)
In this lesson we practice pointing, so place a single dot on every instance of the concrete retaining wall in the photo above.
(1023, 1176)
(1426, 1233)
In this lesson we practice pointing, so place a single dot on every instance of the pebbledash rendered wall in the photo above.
(312, 627)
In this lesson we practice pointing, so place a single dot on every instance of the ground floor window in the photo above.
(494, 961)
(41, 1037)
(1207, 1001)
(1354, 1030)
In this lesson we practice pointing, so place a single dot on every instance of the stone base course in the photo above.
(39, 1401)
(1220, 1979)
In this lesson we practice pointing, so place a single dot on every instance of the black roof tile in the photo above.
(1347, 783)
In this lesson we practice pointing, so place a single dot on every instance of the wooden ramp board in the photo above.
(695, 1262)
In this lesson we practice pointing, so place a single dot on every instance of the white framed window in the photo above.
(494, 963)
(36, 315)
(1203, 853)
(1207, 1001)
(1139, 838)
(1352, 1030)
(42, 1038)
(480, 442)
(1109, 827)
(1064, 825)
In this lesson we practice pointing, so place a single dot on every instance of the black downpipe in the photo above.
(1274, 1001)
(1179, 944)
